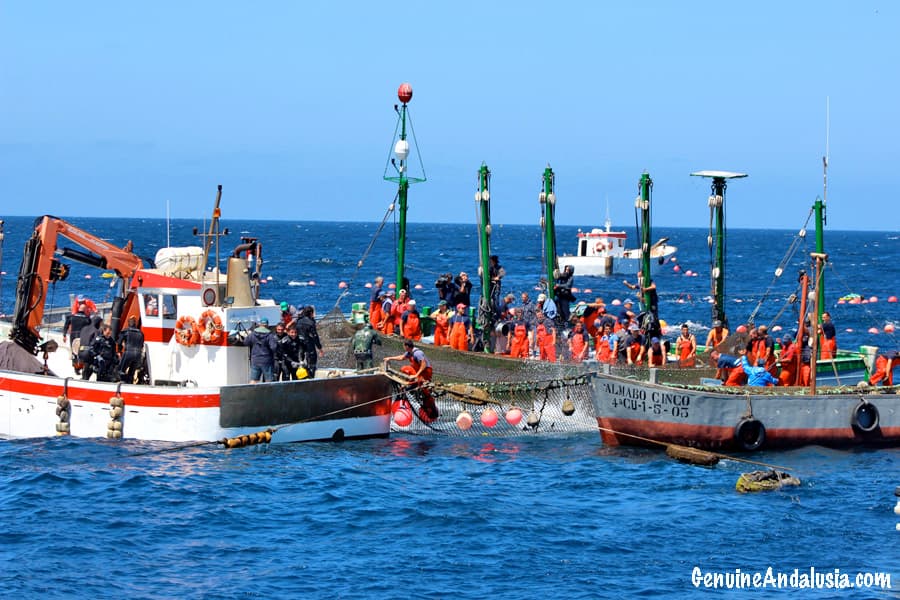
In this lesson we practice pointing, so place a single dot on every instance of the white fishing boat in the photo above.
(601, 252)
(195, 380)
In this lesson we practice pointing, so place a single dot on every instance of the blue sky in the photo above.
(118, 107)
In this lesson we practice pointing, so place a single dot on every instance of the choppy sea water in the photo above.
(446, 517)
(559, 517)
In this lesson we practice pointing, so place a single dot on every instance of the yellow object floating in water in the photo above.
(107, 275)
(764, 481)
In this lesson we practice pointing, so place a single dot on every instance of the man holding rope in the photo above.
(420, 372)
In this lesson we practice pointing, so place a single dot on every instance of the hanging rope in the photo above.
(365, 254)
(785, 261)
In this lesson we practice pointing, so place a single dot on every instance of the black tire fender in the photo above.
(865, 417)
(750, 434)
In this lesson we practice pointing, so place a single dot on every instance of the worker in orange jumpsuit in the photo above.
(686, 347)
(387, 324)
(578, 343)
(656, 353)
(420, 371)
(410, 323)
(441, 318)
(607, 345)
(545, 334)
(519, 336)
(788, 360)
(461, 332)
(884, 368)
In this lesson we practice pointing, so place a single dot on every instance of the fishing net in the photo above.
(545, 406)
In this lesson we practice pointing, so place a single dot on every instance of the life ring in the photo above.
(865, 417)
(750, 434)
(210, 329)
(599, 247)
(89, 306)
(186, 332)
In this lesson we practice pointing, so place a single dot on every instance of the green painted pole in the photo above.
(548, 203)
(402, 200)
(819, 209)
(646, 185)
(718, 274)
(483, 197)
(486, 315)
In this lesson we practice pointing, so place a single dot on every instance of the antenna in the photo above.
(168, 228)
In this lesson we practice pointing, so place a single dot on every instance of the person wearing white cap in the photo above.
(410, 323)
(547, 306)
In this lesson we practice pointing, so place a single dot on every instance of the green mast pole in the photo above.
(548, 203)
(403, 180)
(483, 200)
(646, 184)
(717, 219)
(717, 203)
(403, 147)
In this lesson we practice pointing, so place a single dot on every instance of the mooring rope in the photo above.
(718, 454)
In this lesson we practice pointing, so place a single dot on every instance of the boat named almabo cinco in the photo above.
(705, 414)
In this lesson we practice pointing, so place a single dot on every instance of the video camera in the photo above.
(443, 281)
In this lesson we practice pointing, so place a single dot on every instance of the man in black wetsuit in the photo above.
(103, 349)
(86, 339)
(131, 341)
(72, 327)
(306, 331)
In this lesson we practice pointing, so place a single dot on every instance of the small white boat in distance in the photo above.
(602, 252)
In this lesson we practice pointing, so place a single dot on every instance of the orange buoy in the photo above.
(403, 415)
(588, 291)
(514, 415)
(368, 285)
(873, 299)
(676, 268)
(889, 328)
(873, 330)
(741, 329)
(489, 417)
(418, 286)
(310, 282)
(464, 420)
(392, 286)
(342, 284)
(892, 298)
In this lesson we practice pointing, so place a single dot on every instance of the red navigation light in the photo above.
(404, 92)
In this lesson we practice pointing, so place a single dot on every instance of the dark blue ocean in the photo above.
(420, 517)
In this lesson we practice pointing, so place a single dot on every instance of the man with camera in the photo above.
(447, 288)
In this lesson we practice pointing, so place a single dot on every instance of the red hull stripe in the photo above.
(709, 436)
(158, 334)
(183, 399)
(148, 279)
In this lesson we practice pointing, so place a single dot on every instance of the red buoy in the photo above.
(889, 328)
(489, 417)
(403, 416)
(404, 92)
(514, 415)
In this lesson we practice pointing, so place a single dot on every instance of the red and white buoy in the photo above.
(404, 93)
(464, 420)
